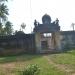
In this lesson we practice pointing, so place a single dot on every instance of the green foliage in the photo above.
(31, 70)
(5, 25)
(8, 28)
(1, 28)
(64, 58)
(20, 62)
(3, 12)
(3, 0)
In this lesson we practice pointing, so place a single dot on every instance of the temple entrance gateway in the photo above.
(45, 37)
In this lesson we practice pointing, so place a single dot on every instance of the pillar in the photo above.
(58, 41)
(38, 42)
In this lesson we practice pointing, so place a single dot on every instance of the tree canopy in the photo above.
(3, 12)
(5, 25)
(8, 28)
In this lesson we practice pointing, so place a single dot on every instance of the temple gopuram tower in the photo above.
(47, 35)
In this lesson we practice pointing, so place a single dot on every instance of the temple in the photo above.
(49, 38)
(46, 38)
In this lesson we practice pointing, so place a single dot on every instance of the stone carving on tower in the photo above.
(35, 23)
(46, 19)
(46, 26)
(57, 21)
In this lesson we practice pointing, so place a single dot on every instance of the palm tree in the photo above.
(3, 0)
(3, 12)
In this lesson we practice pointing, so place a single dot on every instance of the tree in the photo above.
(8, 28)
(3, 0)
(3, 12)
(5, 25)
(22, 26)
(3, 16)
(1, 28)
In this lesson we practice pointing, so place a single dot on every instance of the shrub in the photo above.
(31, 70)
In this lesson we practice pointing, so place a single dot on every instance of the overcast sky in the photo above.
(27, 10)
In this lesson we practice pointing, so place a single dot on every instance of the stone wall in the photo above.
(67, 40)
(14, 44)
(57, 41)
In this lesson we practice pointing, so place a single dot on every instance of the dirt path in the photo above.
(7, 68)
(61, 67)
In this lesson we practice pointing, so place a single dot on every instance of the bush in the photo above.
(31, 70)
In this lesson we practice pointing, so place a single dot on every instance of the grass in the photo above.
(49, 65)
(64, 58)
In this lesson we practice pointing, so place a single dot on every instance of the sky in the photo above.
(26, 11)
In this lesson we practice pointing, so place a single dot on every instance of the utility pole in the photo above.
(73, 25)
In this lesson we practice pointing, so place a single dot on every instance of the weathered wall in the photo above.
(67, 40)
(14, 44)
(57, 43)
(31, 43)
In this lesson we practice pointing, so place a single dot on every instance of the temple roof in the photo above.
(46, 26)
